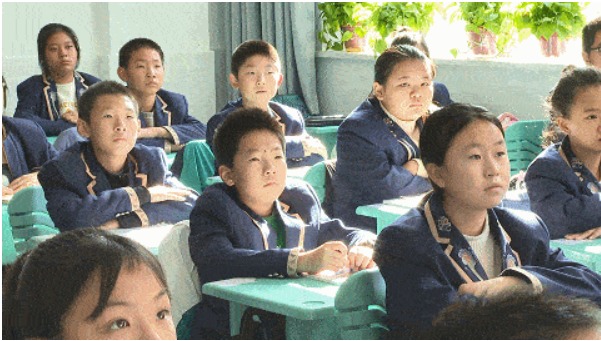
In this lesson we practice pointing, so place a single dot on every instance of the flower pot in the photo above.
(552, 47)
(356, 43)
(483, 43)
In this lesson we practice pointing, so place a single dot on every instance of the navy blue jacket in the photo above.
(171, 113)
(558, 196)
(441, 95)
(229, 240)
(421, 279)
(79, 193)
(38, 101)
(370, 163)
(294, 129)
(26, 146)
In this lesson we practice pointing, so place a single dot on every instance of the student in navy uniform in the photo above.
(564, 180)
(50, 99)
(458, 242)
(378, 149)
(110, 182)
(255, 225)
(83, 285)
(255, 72)
(24, 150)
(163, 114)
(406, 36)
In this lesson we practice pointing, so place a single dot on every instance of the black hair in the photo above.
(588, 34)
(516, 316)
(406, 36)
(441, 128)
(43, 284)
(236, 126)
(560, 101)
(48, 31)
(134, 45)
(86, 102)
(249, 49)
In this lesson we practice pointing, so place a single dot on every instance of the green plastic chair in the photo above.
(199, 165)
(316, 177)
(523, 140)
(361, 306)
(29, 216)
(295, 101)
(9, 253)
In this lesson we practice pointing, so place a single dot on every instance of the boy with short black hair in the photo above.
(254, 224)
(591, 43)
(256, 73)
(109, 181)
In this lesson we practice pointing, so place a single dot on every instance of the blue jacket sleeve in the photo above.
(189, 128)
(29, 106)
(557, 197)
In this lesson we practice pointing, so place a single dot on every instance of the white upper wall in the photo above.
(181, 29)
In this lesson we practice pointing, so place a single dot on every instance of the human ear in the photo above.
(378, 91)
(280, 80)
(435, 173)
(234, 81)
(83, 128)
(226, 175)
(564, 125)
(122, 73)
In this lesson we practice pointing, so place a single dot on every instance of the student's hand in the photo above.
(329, 256)
(24, 181)
(152, 132)
(496, 286)
(7, 191)
(311, 145)
(70, 116)
(360, 258)
(416, 167)
(593, 233)
(164, 193)
(112, 224)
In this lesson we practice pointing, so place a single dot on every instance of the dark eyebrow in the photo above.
(110, 303)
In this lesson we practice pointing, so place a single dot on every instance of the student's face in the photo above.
(584, 124)
(258, 81)
(61, 54)
(594, 57)
(113, 126)
(145, 72)
(408, 91)
(475, 173)
(259, 170)
(138, 308)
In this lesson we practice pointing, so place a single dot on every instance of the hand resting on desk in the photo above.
(495, 286)
(593, 233)
(334, 256)
(164, 193)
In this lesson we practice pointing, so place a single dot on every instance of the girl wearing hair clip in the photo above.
(458, 242)
(563, 181)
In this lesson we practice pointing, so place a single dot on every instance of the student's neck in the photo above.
(469, 221)
(590, 159)
(112, 164)
(262, 106)
(63, 79)
(146, 103)
(262, 210)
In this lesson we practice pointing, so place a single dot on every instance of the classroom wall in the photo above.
(182, 30)
(345, 79)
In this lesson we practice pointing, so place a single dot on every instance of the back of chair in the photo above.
(523, 140)
(181, 273)
(316, 177)
(295, 101)
(360, 303)
(28, 214)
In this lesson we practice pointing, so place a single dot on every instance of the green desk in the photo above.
(587, 252)
(170, 159)
(328, 135)
(383, 213)
(308, 304)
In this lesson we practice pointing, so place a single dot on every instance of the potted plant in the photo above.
(342, 25)
(388, 16)
(551, 22)
(489, 26)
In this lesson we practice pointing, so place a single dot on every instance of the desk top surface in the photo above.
(586, 246)
(301, 298)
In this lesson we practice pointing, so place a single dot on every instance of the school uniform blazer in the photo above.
(441, 97)
(38, 101)
(421, 279)
(171, 113)
(558, 196)
(228, 240)
(370, 163)
(26, 146)
(294, 129)
(79, 193)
